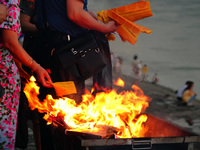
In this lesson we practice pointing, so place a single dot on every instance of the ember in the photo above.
(107, 113)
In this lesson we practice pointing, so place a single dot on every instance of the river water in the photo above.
(173, 48)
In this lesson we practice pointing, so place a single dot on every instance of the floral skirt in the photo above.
(10, 81)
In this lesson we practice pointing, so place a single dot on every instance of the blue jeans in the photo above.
(191, 98)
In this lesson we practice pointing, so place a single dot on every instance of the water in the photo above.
(172, 49)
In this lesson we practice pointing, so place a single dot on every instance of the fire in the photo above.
(107, 113)
(119, 82)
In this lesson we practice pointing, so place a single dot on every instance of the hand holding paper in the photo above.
(126, 16)
(64, 88)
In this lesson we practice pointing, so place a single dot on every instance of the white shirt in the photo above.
(180, 91)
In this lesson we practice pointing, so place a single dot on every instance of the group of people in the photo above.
(45, 24)
(186, 94)
(140, 71)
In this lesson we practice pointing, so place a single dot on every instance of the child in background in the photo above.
(144, 72)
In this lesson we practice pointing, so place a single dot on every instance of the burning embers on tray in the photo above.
(105, 114)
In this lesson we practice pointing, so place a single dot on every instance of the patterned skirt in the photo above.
(10, 81)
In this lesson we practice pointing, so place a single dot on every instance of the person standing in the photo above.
(118, 65)
(28, 20)
(145, 72)
(10, 48)
(58, 23)
(136, 67)
(3, 15)
(66, 19)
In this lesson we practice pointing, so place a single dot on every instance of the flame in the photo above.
(119, 82)
(107, 112)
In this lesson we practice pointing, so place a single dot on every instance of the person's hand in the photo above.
(111, 27)
(42, 76)
(3, 13)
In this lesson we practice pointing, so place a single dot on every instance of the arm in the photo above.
(78, 15)
(10, 41)
(3, 13)
(27, 26)
(92, 14)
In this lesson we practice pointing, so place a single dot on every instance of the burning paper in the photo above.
(107, 112)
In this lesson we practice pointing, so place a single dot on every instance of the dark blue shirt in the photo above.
(57, 18)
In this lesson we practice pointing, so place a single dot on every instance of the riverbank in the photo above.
(163, 105)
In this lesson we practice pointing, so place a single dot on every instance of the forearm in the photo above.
(10, 41)
(92, 14)
(27, 26)
(85, 20)
(78, 15)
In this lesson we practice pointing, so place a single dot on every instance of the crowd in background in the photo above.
(140, 71)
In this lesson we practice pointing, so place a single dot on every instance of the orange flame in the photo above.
(119, 82)
(106, 112)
